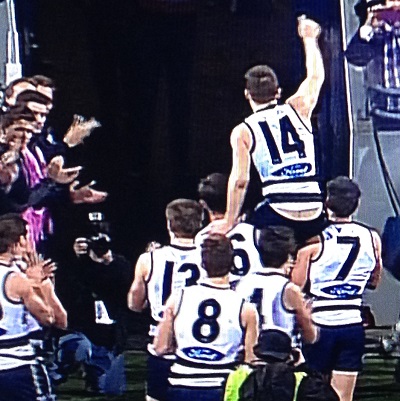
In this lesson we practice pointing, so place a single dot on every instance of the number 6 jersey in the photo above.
(337, 278)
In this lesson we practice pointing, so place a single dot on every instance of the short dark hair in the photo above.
(217, 255)
(343, 195)
(9, 90)
(213, 190)
(43, 80)
(33, 96)
(262, 83)
(12, 227)
(185, 217)
(15, 113)
(275, 244)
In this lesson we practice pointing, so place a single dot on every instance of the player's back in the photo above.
(337, 278)
(209, 335)
(283, 153)
(265, 290)
(246, 258)
(172, 268)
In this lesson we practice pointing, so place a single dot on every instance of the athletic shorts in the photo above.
(339, 348)
(264, 216)
(195, 394)
(27, 383)
(157, 376)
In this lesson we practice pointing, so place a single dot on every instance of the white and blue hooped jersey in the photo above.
(172, 268)
(209, 336)
(15, 348)
(265, 290)
(246, 256)
(283, 153)
(337, 278)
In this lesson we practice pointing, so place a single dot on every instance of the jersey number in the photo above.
(241, 261)
(351, 258)
(288, 146)
(168, 273)
(205, 328)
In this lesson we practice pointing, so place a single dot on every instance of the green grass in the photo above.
(375, 383)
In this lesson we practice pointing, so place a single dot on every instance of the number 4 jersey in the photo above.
(337, 278)
(283, 153)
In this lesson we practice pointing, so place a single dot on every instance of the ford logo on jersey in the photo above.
(294, 170)
(203, 354)
(342, 290)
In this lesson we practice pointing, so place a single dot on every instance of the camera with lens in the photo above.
(99, 240)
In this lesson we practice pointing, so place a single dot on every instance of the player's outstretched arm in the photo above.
(137, 299)
(238, 180)
(306, 97)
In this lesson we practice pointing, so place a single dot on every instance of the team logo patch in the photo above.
(342, 290)
(294, 170)
(203, 354)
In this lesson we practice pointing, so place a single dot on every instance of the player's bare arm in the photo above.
(239, 178)
(164, 340)
(137, 300)
(376, 274)
(249, 319)
(302, 263)
(60, 314)
(294, 299)
(306, 97)
(19, 288)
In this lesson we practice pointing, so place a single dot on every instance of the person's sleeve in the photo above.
(360, 52)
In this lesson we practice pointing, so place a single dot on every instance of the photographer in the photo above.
(98, 314)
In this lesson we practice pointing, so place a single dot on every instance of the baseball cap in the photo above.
(273, 343)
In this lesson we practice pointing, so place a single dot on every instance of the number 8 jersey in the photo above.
(283, 153)
(209, 335)
(337, 278)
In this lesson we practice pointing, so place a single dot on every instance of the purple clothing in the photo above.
(38, 219)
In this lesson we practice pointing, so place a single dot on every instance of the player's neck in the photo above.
(337, 219)
(219, 280)
(258, 106)
(182, 241)
(216, 216)
(6, 257)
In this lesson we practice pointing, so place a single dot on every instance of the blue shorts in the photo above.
(194, 394)
(264, 216)
(339, 348)
(157, 376)
(27, 383)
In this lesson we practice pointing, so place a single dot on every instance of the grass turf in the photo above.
(375, 383)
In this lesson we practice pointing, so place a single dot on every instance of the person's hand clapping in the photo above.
(86, 194)
(79, 130)
(59, 174)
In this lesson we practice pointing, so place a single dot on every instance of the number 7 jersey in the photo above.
(338, 276)
(283, 153)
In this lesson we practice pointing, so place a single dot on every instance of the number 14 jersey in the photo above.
(283, 153)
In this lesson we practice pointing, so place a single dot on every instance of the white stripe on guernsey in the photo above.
(338, 302)
(201, 382)
(187, 370)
